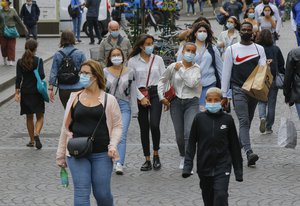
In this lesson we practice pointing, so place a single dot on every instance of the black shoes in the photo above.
(92, 43)
(146, 166)
(156, 163)
(99, 41)
(252, 158)
(38, 143)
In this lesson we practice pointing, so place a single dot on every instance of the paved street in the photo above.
(29, 177)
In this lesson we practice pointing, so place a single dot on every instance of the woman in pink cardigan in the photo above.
(83, 111)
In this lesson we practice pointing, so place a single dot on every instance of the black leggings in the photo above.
(93, 25)
(153, 123)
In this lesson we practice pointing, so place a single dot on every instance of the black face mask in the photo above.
(246, 36)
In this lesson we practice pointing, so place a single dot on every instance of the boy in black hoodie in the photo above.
(214, 134)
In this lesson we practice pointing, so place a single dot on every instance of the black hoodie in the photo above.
(217, 144)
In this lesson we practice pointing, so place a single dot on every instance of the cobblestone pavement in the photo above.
(29, 177)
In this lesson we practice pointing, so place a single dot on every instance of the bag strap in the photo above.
(36, 71)
(257, 50)
(118, 80)
(64, 55)
(149, 72)
(98, 124)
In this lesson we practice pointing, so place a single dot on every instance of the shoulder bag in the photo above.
(79, 147)
(144, 90)
(170, 94)
(279, 78)
(9, 32)
(41, 84)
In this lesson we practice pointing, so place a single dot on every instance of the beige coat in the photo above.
(113, 121)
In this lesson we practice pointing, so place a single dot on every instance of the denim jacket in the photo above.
(78, 58)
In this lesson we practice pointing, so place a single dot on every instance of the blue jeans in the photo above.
(203, 94)
(189, 5)
(201, 5)
(92, 172)
(126, 117)
(298, 38)
(76, 26)
(31, 30)
(183, 112)
(271, 104)
(298, 109)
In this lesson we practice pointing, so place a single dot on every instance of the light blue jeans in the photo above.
(203, 94)
(76, 26)
(92, 172)
(126, 117)
(271, 105)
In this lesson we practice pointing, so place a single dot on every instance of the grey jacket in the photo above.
(107, 44)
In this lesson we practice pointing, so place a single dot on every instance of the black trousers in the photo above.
(149, 118)
(93, 24)
(215, 189)
(64, 95)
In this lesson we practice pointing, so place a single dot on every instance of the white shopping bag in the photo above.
(287, 134)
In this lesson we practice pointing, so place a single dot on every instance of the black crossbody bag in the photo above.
(79, 147)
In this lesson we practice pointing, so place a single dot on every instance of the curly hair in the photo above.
(192, 36)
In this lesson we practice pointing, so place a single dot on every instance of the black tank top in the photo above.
(84, 122)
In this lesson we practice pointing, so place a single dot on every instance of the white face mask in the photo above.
(116, 60)
(201, 36)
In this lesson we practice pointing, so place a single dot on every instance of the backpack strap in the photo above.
(64, 55)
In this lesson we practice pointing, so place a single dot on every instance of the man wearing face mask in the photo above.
(260, 7)
(114, 39)
(30, 15)
(239, 61)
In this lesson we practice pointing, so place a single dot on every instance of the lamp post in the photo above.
(143, 23)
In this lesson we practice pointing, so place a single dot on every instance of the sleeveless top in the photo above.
(84, 122)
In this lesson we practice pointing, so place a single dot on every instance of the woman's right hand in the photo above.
(145, 102)
(51, 95)
(166, 104)
(17, 97)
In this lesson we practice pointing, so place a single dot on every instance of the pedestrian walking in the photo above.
(92, 20)
(291, 89)
(207, 57)
(65, 68)
(114, 39)
(117, 13)
(31, 101)
(30, 14)
(191, 4)
(214, 135)
(274, 55)
(9, 18)
(268, 21)
(185, 77)
(148, 69)
(232, 8)
(120, 82)
(88, 109)
(77, 8)
(295, 20)
(240, 60)
(250, 17)
(201, 6)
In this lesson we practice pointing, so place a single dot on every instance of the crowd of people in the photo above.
(130, 81)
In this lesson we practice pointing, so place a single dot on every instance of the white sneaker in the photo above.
(5, 61)
(119, 169)
(181, 164)
(11, 63)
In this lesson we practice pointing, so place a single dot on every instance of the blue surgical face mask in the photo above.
(149, 49)
(115, 34)
(201, 36)
(251, 15)
(188, 56)
(85, 80)
(229, 25)
(213, 107)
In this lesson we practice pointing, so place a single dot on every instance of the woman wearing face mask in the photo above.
(268, 21)
(83, 112)
(250, 17)
(231, 35)
(120, 82)
(148, 69)
(207, 57)
(185, 77)
(9, 17)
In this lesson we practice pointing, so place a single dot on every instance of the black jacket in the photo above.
(291, 88)
(30, 19)
(218, 147)
(273, 52)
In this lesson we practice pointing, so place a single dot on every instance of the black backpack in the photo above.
(73, 12)
(67, 73)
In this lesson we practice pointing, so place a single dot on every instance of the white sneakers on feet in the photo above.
(119, 169)
(10, 63)
(181, 164)
(5, 60)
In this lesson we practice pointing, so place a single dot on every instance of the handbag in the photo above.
(41, 85)
(287, 133)
(279, 80)
(170, 94)
(9, 32)
(144, 90)
(79, 147)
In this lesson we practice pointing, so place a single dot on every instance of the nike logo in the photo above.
(241, 59)
(223, 126)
